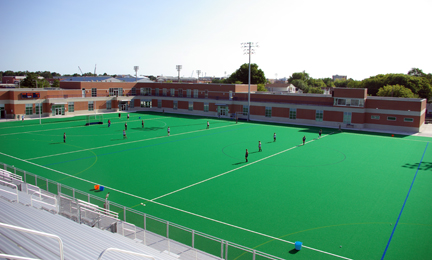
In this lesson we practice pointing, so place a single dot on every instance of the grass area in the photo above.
(341, 194)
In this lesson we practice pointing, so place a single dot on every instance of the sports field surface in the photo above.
(346, 195)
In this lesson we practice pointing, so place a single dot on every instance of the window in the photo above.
(146, 103)
(190, 106)
(142, 92)
(172, 92)
(245, 110)
(319, 114)
(111, 92)
(90, 106)
(206, 93)
(159, 103)
(156, 91)
(164, 92)
(108, 105)
(148, 91)
(94, 92)
(120, 91)
(29, 109)
(375, 117)
(391, 118)
(354, 102)
(347, 117)
(195, 93)
(188, 92)
(37, 106)
(206, 107)
(175, 105)
(131, 104)
(133, 91)
(341, 102)
(293, 113)
(408, 119)
(71, 107)
(180, 92)
(268, 111)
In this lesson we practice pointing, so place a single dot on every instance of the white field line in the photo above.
(111, 145)
(248, 164)
(388, 137)
(184, 211)
(29, 132)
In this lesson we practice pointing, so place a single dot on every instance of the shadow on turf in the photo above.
(57, 143)
(95, 190)
(425, 166)
(238, 163)
(293, 251)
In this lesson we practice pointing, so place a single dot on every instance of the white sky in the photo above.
(354, 38)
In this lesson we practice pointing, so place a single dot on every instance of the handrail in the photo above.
(17, 257)
(11, 184)
(10, 175)
(40, 199)
(124, 251)
(39, 233)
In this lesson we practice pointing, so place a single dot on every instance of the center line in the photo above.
(231, 170)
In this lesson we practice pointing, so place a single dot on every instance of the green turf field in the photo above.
(341, 194)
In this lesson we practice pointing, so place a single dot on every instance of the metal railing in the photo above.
(136, 225)
(5, 183)
(38, 233)
(124, 252)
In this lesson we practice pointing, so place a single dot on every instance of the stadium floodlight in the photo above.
(136, 68)
(247, 49)
(198, 72)
(178, 68)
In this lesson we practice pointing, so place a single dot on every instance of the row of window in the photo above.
(349, 102)
(393, 118)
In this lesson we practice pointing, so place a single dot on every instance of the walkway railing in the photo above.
(141, 227)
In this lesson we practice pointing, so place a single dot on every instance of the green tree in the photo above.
(396, 91)
(416, 72)
(300, 84)
(299, 75)
(56, 83)
(261, 87)
(241, 74)
(316, 90)
(30, 80)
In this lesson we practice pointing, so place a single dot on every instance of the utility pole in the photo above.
(178, 68)
(247, 47)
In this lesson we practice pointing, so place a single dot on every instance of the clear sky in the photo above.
(354, 38)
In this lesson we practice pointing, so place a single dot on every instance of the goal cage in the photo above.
(94, 119)
(240, 115)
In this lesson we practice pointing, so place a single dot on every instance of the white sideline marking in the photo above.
(184, 211)
(54, 129)
(248, 164)
(111, 145)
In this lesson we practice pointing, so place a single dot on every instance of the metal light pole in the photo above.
(198, 72)
(247, 46)
(178, 68)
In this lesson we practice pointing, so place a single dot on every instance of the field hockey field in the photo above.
(352, 195)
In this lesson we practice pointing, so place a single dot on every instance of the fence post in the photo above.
(226, 250)
(124, 213)
(193, 244)
(73, 193)
(14, 169)
(167, 235)
(58, 188)
(88, 197)
(222, 242)
(145, 229)
(47, 185)
(25, 176)
(254, 253)
(35, 180)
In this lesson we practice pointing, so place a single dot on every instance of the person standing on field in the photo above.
(274, 137)
(168, 130)
(64, 137)
(246, 155)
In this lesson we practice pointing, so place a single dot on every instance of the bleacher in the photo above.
(37, 224)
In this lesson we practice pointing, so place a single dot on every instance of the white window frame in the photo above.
(71, 105)
(195, 93)
(375, 117)
(268, 111)
(190, 106)
(206, 107)
(172, 92)
(159, 105)
(389, 118)
(409, 119)
(108, 104)
(94, 92)
(293, 113)
(90, 105)
(188, 91)
(319, 115)
(175, 105)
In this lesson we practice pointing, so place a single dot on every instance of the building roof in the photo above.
(89, 79)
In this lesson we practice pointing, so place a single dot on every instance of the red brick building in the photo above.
(346, 107)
